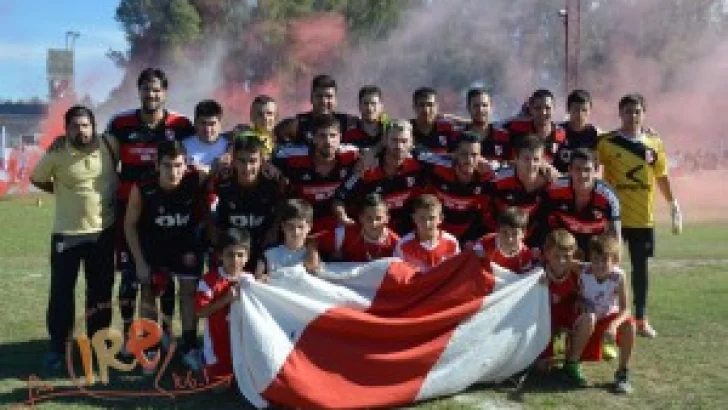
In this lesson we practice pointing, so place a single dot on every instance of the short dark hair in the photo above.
(234, 237)
(370, 90)
(80, 111)
(325, 121)
(469, 137)
(541, 93)
(373, 200)
(208, 108)
(323, 81)
(633, 99)
(529, 142)
(474, 92)
(247, 141)
(513, 217)
(295, 209)
(423, 92)
(151, 74)
(262, 99)
(578, 97)
(426, 201)
(170, 149)
(584, 154)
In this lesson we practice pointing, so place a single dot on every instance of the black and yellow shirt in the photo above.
(631, 167)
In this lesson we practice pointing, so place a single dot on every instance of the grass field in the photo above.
(685, 367)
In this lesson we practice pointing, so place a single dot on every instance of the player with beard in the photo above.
(398, 178)
(137, 133)
(370, 128)
(538, 123)
(79, 168)
(314, 172)
(300, 129)
(461, 188)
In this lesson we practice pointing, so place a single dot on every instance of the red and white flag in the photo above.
(381, 335)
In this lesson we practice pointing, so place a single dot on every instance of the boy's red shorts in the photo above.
(563, 318)
(593, 349)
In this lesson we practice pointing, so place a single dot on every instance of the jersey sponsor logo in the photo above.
(477, 190)
(171, 221)
(410, 182)
(320, 193)
(565, 155)
(498, 150)
(454, 203)
(632, 176)
(443, 140)
(169, 134)
(246, 221)
(306, 177)
(133, 136)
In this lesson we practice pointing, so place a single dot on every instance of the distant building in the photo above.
(22, 119)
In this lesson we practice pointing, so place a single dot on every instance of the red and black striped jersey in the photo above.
(493, 147)
(138, 143)
(439, 139)
(305, 126)
(559, 209)
(507, 190)
(347, 244)
(359, 137)
(397, 190)
(515, 129)
(586, 138)
(464, 204)
(489, 252)
(296, 163)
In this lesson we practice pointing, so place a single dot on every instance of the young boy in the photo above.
(296, 219)
(506, 248)
(606, 314)
(369, 240)
(207, 145)
(428, 245)
(216, 291)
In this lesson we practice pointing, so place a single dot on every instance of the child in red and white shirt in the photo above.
(428, 245)
(369, 240)
(216, 291)
(505, 248)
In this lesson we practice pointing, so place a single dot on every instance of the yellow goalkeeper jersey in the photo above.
(631, 167)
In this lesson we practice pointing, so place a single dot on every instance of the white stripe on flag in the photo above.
(507, 335)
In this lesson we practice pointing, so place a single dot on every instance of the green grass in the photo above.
(685, 367)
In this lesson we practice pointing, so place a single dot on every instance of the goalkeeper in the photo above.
(635, 165)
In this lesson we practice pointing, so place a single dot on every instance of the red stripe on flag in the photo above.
(380, 357)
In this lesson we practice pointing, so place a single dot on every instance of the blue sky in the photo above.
(29, 27)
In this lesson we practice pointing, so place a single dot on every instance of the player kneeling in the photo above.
(605, 318)
(215, 292)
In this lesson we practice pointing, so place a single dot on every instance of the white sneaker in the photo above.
(193, 360)
(645, 330)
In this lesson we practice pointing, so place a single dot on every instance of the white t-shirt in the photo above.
(603, 296)
(201, 154)
(282, 257)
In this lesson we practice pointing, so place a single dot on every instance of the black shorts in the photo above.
(176, 263)
(640, 241)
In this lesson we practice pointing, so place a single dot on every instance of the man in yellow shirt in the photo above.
(80, 169)
(635, 165)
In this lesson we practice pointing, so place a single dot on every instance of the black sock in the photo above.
(189, 340)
